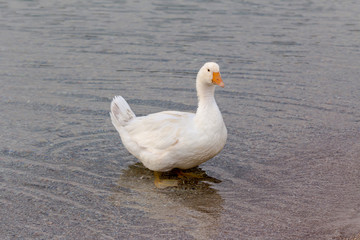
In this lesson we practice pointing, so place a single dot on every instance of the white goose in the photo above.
(171, 139)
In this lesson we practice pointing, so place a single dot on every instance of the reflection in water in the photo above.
(195, 206)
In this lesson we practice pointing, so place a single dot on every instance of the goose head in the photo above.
(209, 74)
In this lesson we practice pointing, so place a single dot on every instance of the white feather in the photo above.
(121, 112)
(171, 139)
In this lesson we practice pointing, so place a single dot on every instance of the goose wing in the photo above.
(159, 131)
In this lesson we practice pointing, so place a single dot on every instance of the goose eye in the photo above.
(208, 70)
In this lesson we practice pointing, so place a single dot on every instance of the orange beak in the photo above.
(217, 79)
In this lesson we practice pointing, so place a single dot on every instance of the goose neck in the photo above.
(207, 107)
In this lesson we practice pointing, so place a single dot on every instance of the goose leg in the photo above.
(182, 174)
(164, 183)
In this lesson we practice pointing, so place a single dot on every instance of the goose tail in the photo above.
(121, 112)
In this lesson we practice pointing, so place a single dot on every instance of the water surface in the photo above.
(290, 168)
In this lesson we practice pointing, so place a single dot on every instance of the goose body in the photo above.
(172, 139)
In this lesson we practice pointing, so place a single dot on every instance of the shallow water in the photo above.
(290, 168)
